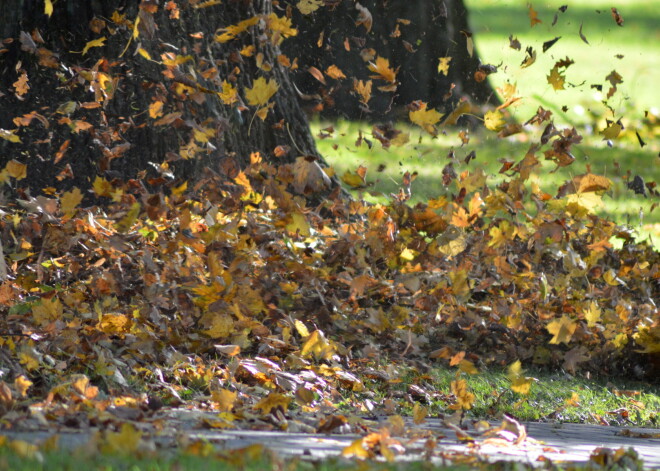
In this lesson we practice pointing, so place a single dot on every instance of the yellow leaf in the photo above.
(494, 120)
(533, 16)
(261, 91)
(356, 449)
(48, 7)
(363, 89)
(229, 94)
(298, 225)
(302, 329)
(281, 25)
(181, 189)
(29, 361)
(222, 325)
(225, 399)
(230, 32)
(95, 43)
(26, 450)
(124, 442)
(335, 72)
(22, 384)
(309, 6)
(612, 131)
(102, 187)
(592, 314)
(9, 135)
(556, 79)
(144, 53)
(515, 370)
(466, 366)
(443, 65)
(464, 399)
(318, 346)
(126, 223)
(521, 385)
(425, 118)
(273, 401)
(562, 330)
(70, 200)
(47, 311)
(407, 255)
(16, 170)
(419, 414)
(156, 109)
(382, 70)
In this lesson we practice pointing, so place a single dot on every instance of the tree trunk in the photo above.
(142, 98)
(411, 34)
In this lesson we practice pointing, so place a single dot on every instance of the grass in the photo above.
(630, 50)
(552, 397)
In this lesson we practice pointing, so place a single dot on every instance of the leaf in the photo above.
(364, 17)
(16, 170)
(281, 25)
(335, 72)
(224, 399)
(425, 118)
(298, 225)
(356, 450)
(127, 222)
(494, 120)
(612, 131)
(561, 329)
(10, 135)
(70, 201)
(382, 70)
(363, 89)
(48, 8)
(156, 109)
(273, 401)
(124, 442)
(262, 90)
(21, 85)
(230, 32)
(94, 43)
(419, 414)
(443, 65)
(222, 325)
(309, 6)
(464, 398)
(318, 346)
(533, 16)
(556, 79)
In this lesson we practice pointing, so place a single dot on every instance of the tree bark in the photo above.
(90, 105)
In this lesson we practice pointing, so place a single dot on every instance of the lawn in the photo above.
(630, 50)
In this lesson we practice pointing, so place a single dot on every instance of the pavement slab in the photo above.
(434, 440)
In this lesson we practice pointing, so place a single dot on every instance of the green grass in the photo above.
(551, 398)
(492, 21)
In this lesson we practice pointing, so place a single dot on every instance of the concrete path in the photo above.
(432, 440)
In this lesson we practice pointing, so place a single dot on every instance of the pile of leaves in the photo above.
(261, 302)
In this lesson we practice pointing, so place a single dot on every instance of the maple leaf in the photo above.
(16, 169)
(382, 70)
(262, 90)
(425, 118)
(494, 120)
(363, 89)
(464, 398)
(561, 329)
(224, 399)
(612, 131)
(281, 26)
(230, 32)
(156, 109)
(124, 442)
(556, 79)
(70, 201)
(229, 94)
(273, 401)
